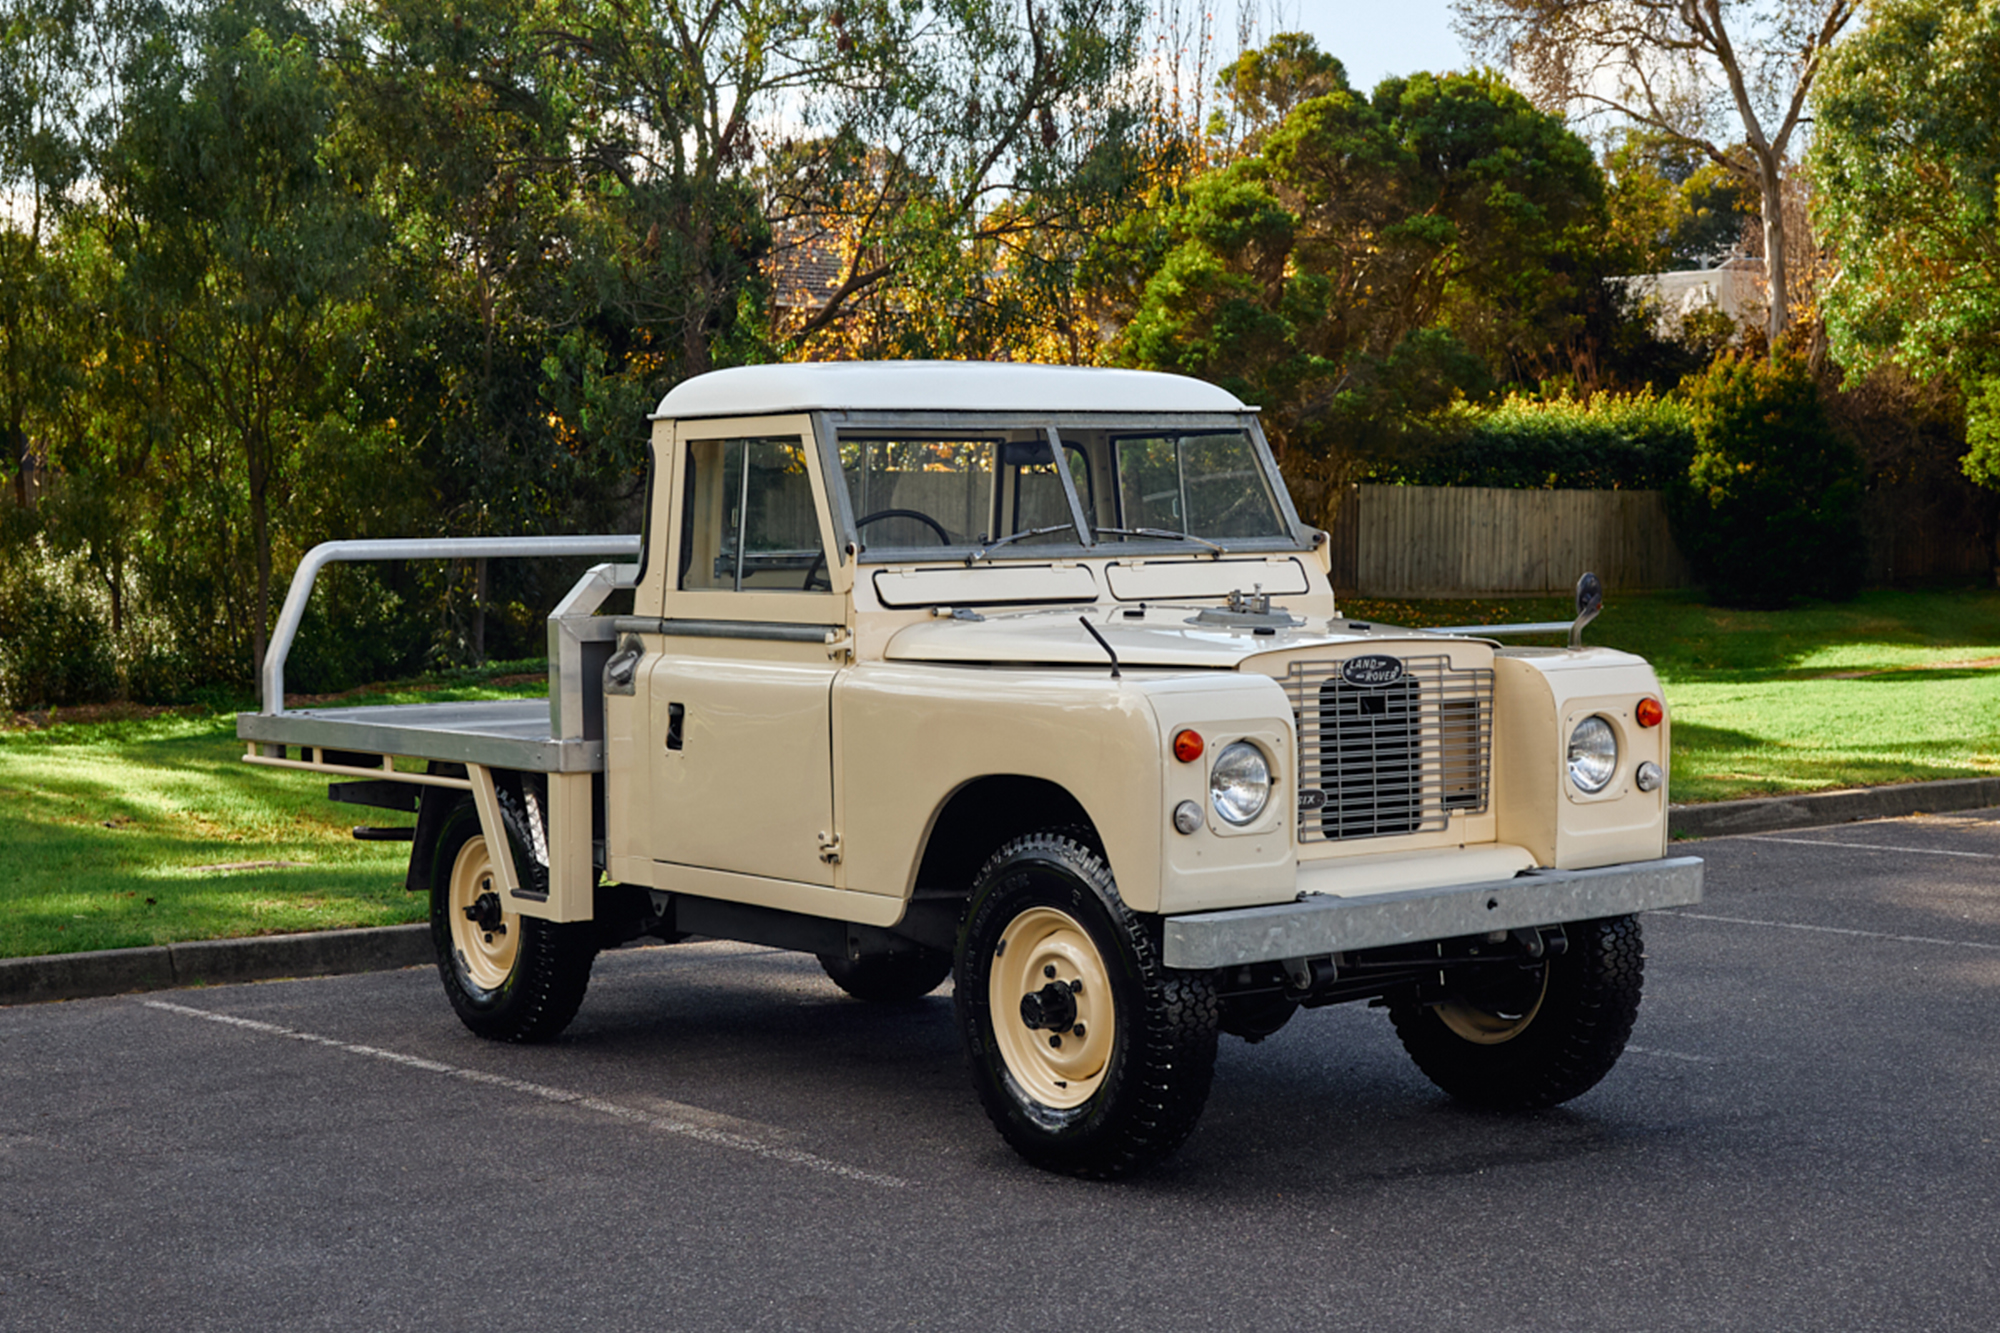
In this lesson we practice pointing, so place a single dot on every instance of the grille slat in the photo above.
(1398, 757)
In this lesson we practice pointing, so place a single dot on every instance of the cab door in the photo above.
(739, 686)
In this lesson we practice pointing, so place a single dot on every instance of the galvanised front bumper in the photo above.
(1318, 924)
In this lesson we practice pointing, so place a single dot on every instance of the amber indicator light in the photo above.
(1649, 713)
(1187, 746)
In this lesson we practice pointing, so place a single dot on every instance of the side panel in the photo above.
(738, 756)
(1538, 700)
(1220, 864)
(910, 736)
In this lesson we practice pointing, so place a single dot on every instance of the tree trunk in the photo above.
(1777, 284)
(260, 535)
(479, 612)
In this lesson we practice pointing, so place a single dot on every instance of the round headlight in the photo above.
(1239, 786)
(1593, 754)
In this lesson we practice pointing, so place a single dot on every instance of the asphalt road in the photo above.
(1804, 1135)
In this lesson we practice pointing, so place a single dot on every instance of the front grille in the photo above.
(1396, 757)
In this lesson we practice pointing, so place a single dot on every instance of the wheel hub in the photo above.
(1052, 1007)
(484, 912)
(483, 944)
(1047, 968)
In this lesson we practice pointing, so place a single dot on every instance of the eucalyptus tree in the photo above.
(1708, 74)
(43, 107)
(244, 237)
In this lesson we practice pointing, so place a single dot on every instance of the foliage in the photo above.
(1769, 508)
(1610, 442)
(1322, 276)
(53, 647)
(274, 272)
(1672, 207)
(956, 185)
(1982, 432)
(1707, 76)
(1907, 156)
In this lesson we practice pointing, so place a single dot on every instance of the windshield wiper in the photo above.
(1013, 537)
(1161, 532)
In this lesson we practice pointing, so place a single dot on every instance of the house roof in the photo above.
(938, 386)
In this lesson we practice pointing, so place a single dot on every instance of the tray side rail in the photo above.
(410, 548)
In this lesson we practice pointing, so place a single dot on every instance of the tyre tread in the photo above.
(1569, 1047)
(1165, 1081)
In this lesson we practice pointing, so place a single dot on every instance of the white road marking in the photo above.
(1828, 930)
(682, 1128)
(1672, 1055)
(1870, 847)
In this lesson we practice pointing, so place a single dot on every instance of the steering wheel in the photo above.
(819, 561)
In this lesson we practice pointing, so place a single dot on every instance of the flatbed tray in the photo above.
(497, 733)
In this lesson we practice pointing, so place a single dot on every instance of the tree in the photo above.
(245, 240)
(1326, 275)
(1907, 161)
(43, 99)
(1709, 74)
(1671, 206)
(1769, 510)
(975, 141)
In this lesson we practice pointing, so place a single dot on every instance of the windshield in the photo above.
(938, 490)
(1206, 485)
(924, 491)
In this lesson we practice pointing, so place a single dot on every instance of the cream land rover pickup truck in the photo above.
(1029, 677)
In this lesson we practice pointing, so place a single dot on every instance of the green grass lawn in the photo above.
(112, 828)
(1892, 687)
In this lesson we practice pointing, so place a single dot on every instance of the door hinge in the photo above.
(829, 848)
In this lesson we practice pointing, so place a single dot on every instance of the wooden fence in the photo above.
(1406, 541)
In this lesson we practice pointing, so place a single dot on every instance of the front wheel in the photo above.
(1537, 1036)
(1090, 1057)
(508, 977)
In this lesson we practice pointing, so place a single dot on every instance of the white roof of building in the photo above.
(917, 386)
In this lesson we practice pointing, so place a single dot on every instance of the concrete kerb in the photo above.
(77, 976)
(1772, 814)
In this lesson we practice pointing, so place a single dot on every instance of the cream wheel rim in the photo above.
(486, 947)
(1053, 1015)
(1489, 1027)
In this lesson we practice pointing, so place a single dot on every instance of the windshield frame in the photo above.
(830, 426)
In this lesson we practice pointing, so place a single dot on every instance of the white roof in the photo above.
(962, 386)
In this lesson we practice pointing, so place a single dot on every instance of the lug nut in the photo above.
(1077, 1031)
(1048, 969)
(1055, 1041)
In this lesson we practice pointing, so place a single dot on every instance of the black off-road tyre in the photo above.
(1112, 1071)
(889, 979)
(1542, 1046)
(522, 989)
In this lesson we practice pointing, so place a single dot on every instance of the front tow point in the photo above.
(1052, 1007)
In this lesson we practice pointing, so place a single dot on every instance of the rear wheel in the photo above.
(1090, 1057)
(1533, 1037)
(508, 977)
(889, 978)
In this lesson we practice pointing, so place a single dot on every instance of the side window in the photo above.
(747, 517)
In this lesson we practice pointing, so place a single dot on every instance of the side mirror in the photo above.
(1589, 601)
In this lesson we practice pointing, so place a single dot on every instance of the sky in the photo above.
(1373, 38)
